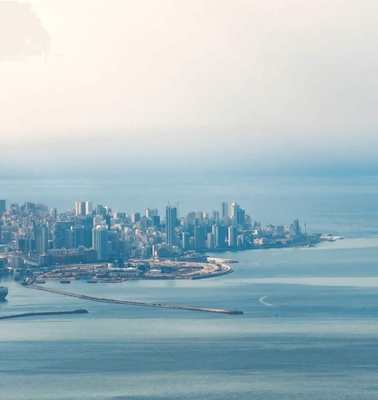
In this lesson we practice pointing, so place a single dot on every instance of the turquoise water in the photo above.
(309, 329)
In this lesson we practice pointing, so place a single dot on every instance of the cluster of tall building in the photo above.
(42, 236)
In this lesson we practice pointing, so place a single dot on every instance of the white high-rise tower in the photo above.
(80, 208)
(88, 208)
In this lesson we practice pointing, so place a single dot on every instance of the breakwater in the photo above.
(34, 314)
(135, 303)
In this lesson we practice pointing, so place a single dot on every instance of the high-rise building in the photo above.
(100, 210)
(240, 216)
(88, 208)
(80, 208)
(200, 236)
(76, 237)
(15, 209)
(224, 210)
(210, 242)
(88, 237)
(215, 216)
(247, 222)
(296, 228)
(108, 221)
(135, 217)
(88, 221)
(100, 242)
(199, 215)
(151, 212)
(59, 234)
(42, 239)
(234, 210)
(232, 236)
(28, 206)
(113, 244)
(185, 241)
(54, 214)
(220, 234)
(2, 207)
(97, 220)
(170, 225)
(156, 221)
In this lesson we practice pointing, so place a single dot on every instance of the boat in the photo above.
(3, 293)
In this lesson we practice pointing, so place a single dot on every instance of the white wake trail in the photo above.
(261, 300)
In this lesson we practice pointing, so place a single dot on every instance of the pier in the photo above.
(135, 303)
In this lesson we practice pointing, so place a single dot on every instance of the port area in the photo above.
(137, 269)
(134, 303)
(34, 314)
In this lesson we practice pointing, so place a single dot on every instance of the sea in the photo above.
(309, 329)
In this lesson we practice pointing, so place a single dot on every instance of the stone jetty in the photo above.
(135, 303)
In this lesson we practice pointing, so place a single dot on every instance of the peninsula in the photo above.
(99, 244)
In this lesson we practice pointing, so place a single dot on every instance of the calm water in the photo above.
(309, 329)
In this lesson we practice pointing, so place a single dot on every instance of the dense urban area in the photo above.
(116, 245)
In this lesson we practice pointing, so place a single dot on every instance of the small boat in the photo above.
(65, 281)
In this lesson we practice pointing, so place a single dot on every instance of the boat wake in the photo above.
(261, 300)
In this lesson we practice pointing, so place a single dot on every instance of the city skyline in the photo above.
(38, 236)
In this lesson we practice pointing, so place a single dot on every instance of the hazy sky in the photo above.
(258, 84)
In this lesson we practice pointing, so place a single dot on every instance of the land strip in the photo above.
(135, 303)
(34, 314)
